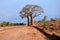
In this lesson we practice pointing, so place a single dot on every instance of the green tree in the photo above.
(45, 22)
(44, 19)
(4, 23)
(30, 12)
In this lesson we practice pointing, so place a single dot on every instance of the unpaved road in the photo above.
(21, 33)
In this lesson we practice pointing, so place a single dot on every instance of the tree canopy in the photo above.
(31, 11)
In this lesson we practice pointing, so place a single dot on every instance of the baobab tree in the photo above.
(30, 12)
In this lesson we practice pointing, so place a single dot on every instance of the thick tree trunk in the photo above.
(28, 21)
(31, 20)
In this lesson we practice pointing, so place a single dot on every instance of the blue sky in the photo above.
(9, 9)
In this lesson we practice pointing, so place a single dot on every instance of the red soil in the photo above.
(21, 33)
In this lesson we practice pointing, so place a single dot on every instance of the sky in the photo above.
(9, 9)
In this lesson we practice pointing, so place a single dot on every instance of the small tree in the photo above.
(30, 12)
(44, 20)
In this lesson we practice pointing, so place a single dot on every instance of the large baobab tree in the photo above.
(30, 12)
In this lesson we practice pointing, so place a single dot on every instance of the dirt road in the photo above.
(21, 33)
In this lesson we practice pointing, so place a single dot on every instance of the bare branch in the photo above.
(36, 15)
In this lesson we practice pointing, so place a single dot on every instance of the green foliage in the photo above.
(45, 22)
(52, 20)
(4, 24)
(44, 19)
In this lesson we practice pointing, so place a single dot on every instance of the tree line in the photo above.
(4, 24)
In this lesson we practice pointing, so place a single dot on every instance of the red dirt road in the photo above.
(21, 33)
